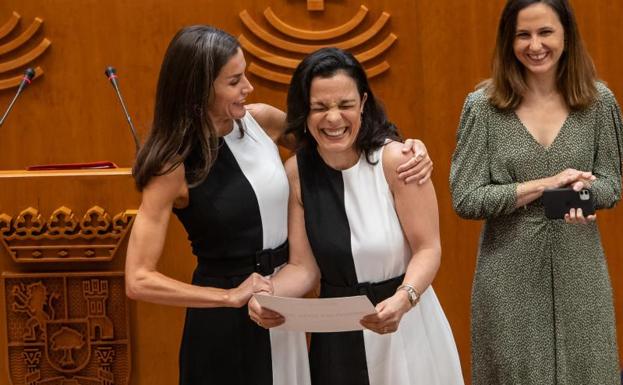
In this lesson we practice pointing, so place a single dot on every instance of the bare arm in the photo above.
(143, 280)
(422, 234)
(273, 121)
(418, 166)
(301, 274)
(530, 191)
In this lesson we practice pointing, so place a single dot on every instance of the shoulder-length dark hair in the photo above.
(325, 63)
(182, 131)
(576, 73)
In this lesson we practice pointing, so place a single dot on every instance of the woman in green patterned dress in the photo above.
(542, 310)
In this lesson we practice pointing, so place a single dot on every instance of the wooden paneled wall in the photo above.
(70, 114)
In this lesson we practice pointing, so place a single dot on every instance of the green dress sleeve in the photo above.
(474, 195)
(607, 165)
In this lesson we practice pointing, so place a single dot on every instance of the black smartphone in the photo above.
(559, 201)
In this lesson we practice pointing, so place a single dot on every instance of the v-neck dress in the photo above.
(238, 211)
(360, 248)
(542, 308)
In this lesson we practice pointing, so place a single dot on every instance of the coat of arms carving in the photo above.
(67, 328)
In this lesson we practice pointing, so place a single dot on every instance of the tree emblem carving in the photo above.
(67, 340)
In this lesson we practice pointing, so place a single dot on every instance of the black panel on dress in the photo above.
(322, 192)
(223, 217)
(222, 345)
(335, 358)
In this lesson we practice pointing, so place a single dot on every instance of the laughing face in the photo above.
(335, 114)
(231, 88)
(539, 39)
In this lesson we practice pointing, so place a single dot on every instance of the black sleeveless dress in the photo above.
(237, 223)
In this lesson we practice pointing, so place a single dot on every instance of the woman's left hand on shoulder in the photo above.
(388, 314)
(420, 167)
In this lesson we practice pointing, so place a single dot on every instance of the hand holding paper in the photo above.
(318, 314)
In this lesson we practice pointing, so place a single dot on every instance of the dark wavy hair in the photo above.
(325, 63)
(576, 73)
(182, 130)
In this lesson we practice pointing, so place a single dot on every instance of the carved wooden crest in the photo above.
(69, 328)
(10, 43)
(64, 237)
(267, 45)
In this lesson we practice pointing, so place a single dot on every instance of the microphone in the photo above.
(26, 80)
(111, 74)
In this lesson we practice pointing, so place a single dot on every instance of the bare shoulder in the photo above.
(264, 113)
(270, 118)
(393, 157)
(170, 188)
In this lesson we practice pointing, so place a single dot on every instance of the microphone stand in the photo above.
(28, 75)
(111, 74)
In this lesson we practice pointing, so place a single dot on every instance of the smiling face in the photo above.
(335, 112)
(539, 39)
(231, 88)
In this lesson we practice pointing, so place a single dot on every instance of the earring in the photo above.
(305, 128)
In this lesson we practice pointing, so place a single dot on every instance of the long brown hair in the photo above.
(575, 75)
(182, 131)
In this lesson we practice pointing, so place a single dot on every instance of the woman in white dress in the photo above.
(354, 224)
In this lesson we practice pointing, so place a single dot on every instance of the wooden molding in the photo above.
(23, 37)
(377, 69)
(64, 237)
(377, 50)
(9, 25)
(16, 80)
(308, 48)
(267, 74)
(267, 56)
(26, 58)
(315, 5)
(277, 77)
(306, 34)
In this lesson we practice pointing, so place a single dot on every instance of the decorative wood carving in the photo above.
(23, 37)
(24, 59)
(306, 34)
(265, 73)
(10, 24)
(315, 5)
(63, 237)
(67, 328)
(292, 63)
(275, 58)
(308, 48)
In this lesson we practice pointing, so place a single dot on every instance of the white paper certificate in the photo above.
(319, 314)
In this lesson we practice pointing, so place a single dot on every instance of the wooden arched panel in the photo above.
(306, 34)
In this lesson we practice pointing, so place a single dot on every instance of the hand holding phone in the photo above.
(560, 201)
